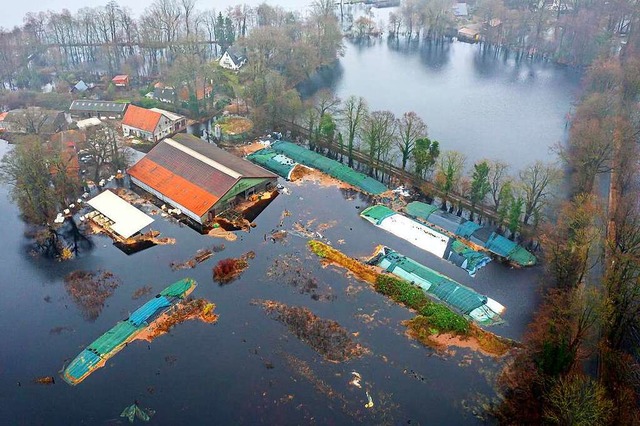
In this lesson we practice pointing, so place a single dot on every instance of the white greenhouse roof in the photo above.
(127, 219)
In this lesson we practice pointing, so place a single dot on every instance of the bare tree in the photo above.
(410, 128)
(537, 181)
(354, 111)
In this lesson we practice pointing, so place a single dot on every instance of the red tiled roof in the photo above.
(70, 138)
(121, 79)
(174, 187)
(141, 118)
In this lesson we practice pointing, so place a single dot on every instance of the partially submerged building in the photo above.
(116, 216)
(462, 299)
(486, 238)
(91, 108)
(427, 238)
(198, 178)
(151, 124)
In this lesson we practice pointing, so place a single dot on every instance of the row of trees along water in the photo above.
(377, 142)
(580, 360)
(567, 31)
(109, 40)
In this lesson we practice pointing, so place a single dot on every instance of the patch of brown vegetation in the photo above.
(46, 380)
(142, 291)
(330, 255)
(300, 172)
(89, 290)
(289, 269)
(326, 337)
(229, 269)
(235, 125)
(319, 178)
(200, 309)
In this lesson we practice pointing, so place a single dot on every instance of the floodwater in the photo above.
(222, 373)
(475, 103)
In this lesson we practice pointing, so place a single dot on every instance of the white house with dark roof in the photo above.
(232, 59)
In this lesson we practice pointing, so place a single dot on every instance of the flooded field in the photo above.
(246, 368)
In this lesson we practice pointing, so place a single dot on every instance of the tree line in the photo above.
(385, 140)
(580, 362)
(110, 40)
(567, 31)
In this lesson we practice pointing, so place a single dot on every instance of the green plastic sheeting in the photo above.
(377, 213)
(273, 161)
(522, 257)
(420, 210)
(331, 167)
(467, 228)
(133, 411)
(454, 294)
(178, 288)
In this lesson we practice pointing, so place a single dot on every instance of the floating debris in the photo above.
(369, 403)
(45, 380)
(326, 337)
(142, 291)
(222, 233)
(200, 256)
(89, 290)
(133, 411)
(356, 379)
(227, 270)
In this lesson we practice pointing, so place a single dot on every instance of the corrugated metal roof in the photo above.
(141, 118)
(127, 219)
(197, 172)
(98, 106)
(237, 164)
(173, 186)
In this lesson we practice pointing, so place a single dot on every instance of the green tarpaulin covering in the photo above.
(331, 167)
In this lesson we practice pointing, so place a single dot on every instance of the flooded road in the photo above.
(247, 368)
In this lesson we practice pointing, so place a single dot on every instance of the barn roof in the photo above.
(192, 172)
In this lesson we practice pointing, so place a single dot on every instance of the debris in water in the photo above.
(369, 403)
(356, 379)
(46, 380)
(326, 337)
(200, 256)
(227, 270)
(142, 291)
(133, 411)
(221, 233)
(89, 290)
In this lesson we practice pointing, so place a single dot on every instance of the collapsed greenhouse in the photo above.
(113, 341)
(309, 158)
(464, 300)
(275, 162)
(426, 238)
(486, 238)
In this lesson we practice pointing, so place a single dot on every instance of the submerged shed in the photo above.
(123, 218)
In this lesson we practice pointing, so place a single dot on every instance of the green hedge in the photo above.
(439, 316)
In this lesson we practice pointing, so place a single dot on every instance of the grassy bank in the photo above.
(433, 319)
